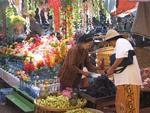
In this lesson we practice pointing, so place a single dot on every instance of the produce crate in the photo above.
(98, 103)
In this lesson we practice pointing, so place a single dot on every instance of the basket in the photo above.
(83, 110)
(46, 109)
(93, 110)
(104, 54)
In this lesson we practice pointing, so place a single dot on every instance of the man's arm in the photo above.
(114, 66)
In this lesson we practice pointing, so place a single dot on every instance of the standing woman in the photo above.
(128, 81)
(77, 57)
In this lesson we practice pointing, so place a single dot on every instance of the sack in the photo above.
(126, 61)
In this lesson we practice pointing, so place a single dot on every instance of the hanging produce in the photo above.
(84, 15)
(69, 20)
(88, 12)
(70, 16)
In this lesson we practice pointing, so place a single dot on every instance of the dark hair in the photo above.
(85, 38)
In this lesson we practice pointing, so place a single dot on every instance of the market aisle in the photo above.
(9, 108)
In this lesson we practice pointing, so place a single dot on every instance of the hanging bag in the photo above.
(126, 61)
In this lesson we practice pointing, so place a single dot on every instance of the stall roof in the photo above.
(128, 12)
(139, 0)
(123, 6)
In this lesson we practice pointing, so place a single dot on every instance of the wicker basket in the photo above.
(45, 109)
(105, 53)
(94, 110)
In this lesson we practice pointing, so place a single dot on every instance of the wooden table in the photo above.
(145, 98)
(102, 102)
(99, 103)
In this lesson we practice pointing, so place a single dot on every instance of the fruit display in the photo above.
(101, 87)
(34, 60)
(80, 110)
(39, 51)
(55, 102)
(60, 102)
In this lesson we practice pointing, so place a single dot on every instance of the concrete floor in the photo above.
(9, 108)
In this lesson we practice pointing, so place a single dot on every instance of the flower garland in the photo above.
(56, 4)
(84, 15)
(87, 13)
(68, 17)
(69, 20)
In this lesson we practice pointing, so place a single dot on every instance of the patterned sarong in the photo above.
(127, 99)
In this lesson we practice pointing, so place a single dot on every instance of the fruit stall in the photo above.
(29, 62)
(31, 55)
(30, 68)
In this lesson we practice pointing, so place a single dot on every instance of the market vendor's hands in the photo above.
(102, 72)
(85, 73)
(110, 71)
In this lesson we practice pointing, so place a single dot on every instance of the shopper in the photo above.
(127, 81)
(35, 27)
(72, 69)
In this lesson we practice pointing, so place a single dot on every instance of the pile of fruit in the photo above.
(80, 110)
(59, 102)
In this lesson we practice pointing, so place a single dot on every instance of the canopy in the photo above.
(129, 12)
(140, 0)
(123, 6)
(141, 24)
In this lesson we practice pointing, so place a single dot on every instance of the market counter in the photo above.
(9, 78)
(145, 97)
(98, 103)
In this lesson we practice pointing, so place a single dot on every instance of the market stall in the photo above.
(30, 62)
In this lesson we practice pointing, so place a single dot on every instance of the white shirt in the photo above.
(131, 75)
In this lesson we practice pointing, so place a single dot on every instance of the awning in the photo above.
(141, 24)
(123, 6)
(129, 12)
(140, 0)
